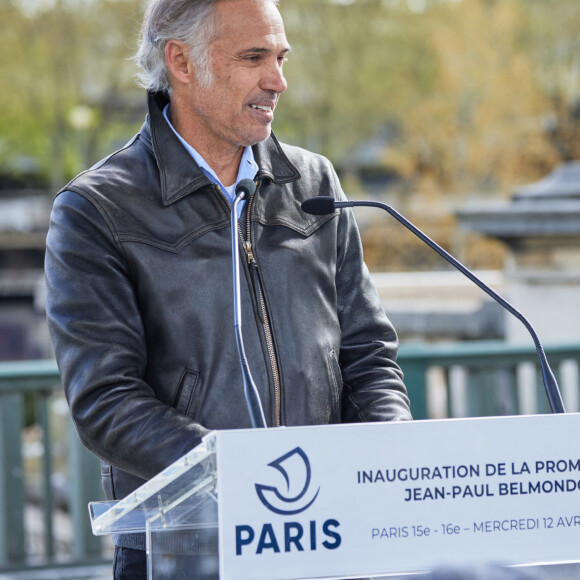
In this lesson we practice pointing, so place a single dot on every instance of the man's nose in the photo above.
(273, 79)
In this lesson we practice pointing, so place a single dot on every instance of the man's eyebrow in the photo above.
(264, 50)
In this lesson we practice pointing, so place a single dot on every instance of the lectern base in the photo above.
(182, 554)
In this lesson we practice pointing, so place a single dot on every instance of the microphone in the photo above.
(322, 205)
(244, 190)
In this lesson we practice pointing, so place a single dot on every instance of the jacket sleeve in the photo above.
(373, 388)
(98, 337)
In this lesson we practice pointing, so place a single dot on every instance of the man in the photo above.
(138, 264)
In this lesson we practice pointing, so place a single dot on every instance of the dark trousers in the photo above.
(131, 564)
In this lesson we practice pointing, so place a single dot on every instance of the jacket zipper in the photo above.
(253, 264)
(257, 283)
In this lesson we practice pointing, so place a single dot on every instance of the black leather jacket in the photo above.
(139, 303)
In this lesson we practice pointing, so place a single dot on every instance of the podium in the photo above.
(366, 500)
(178, 512)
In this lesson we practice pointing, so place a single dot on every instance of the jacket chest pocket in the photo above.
(186, 399)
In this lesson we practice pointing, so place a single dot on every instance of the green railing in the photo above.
(43, 524)
(488, 378)
(39, 447)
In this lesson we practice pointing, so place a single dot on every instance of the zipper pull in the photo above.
(250, 253)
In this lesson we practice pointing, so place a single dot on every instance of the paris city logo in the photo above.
(294, 498)
(291, 494)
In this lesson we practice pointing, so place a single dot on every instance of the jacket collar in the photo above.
(181, 176)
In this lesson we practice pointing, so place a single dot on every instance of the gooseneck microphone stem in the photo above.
(322, 205)
(244, 190)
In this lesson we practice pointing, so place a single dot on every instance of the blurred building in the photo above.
(24, 216)
(540, 225)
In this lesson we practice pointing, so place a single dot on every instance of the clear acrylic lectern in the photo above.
(360, 501)
(178, 512)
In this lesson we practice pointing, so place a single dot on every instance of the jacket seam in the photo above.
(292, 225)
(70, 185)
(173, 248)
(102, 212)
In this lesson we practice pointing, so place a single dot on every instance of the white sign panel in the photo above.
(371, 499)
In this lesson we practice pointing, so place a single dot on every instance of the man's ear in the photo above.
(178, 63)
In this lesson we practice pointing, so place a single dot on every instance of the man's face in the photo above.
(237, 108)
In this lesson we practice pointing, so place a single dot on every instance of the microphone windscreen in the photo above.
(247, 186)
(319, 205)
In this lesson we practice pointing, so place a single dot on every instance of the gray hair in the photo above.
(193, 22)
(188, 21)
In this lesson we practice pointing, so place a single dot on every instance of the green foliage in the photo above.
(478, 95)
(60, 56)
(354, 67)
(481, 92)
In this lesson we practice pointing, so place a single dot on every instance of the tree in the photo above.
(354, 67)
(551, 38)
(477, 95)
(479, 92)
(62, 59)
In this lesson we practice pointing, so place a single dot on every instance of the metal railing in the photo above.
(488, 378)
(47, 477)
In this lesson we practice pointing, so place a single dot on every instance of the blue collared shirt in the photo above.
(247, 170)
